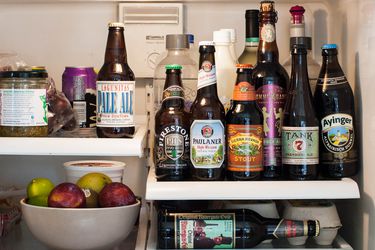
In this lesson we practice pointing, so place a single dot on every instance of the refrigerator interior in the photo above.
(64, 33)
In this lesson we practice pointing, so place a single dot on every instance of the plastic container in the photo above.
(24, 104)
(75, 169)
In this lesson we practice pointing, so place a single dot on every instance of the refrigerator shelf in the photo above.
(252, 190)
(75, 146)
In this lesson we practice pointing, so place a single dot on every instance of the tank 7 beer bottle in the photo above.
(334, 101)
(115, 89)
(270, 80)
(207, 134)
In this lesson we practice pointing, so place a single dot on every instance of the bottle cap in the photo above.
(173, 66)
(252, 26)
(221, 36)
(177, 41)
(244, 66)
(232, 34)
(116, 24)
(206, 43)
(191, 38)
(297, 14)
(329, 46)
(301, 40)
(317, 228)
(267, 6)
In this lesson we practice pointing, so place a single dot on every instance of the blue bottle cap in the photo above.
(329, 46)
(191, 38)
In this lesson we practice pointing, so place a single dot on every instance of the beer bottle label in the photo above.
(332, 81)
(207, 143)
(271, 100)
(245, 147)
(172, 92)
(115, 103)
(205, 231)
(337, 132)
(300, 145)
(268, 33)
(290, 228)
(172, 147)
(206, 75)
(244, 91)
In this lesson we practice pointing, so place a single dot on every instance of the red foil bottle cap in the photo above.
(297, 14)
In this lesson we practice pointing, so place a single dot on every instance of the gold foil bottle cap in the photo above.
(267, 6)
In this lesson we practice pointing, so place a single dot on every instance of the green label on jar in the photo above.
(300, 145)
(23, 107)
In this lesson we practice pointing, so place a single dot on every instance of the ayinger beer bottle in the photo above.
(270, 80)
(244, 130)
(172, 130)
(115, 89)
(300, 131)
(207, 134)
(225, 228)
(334, 101)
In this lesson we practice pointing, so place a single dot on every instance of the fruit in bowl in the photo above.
(94, 181)
(116, 194)
(38, 191)
(67, 195)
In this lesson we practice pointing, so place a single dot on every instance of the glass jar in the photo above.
(23, 104)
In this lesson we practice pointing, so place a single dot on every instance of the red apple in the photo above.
(67, 195)
(116, 194)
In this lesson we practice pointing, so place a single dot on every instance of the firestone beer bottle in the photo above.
(300, 131)
(239, 228)
(207, 134)
(336, 113)
(172, 125)
(244, 130)
(270, 80)
(115, 89)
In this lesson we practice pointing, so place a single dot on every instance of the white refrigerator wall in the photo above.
(57, 34)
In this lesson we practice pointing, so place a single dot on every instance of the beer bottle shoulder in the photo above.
(115, 71)
(245, 113)
(270, 70)
(207, 108)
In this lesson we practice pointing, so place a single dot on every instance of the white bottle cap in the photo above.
(116, 24)
(222, 36)
(206, 43)
(232, 32)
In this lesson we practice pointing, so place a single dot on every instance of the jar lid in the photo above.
(23, 74)
(173, 66)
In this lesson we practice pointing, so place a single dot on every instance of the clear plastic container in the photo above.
(177, 53)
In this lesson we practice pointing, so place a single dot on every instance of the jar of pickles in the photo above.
(23, 104)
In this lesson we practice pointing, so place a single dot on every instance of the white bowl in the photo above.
(76, 169)
(80, 228)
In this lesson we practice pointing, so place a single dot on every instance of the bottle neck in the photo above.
(243, 91)
(115, 50)
(173, 94)
(276, 228)
(299, 76)
(207, 83)
(177, 52)
(267, 49)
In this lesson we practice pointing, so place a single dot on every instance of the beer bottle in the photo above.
(335, 110)
(172, 130)
(244, 130)
(226, 228)
(115, 89)
(249, 55)
(207, 134)
(270, 80)
(300, 131)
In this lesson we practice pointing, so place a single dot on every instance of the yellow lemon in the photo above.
(39, 187)
(94, 181)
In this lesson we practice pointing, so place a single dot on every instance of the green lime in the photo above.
(39, 200)
(94, 181)
(39, 187)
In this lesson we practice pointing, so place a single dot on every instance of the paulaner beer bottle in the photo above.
(300, 131)
(207, 134)
(244, 130)
(270, 80)
(115, 88)
(335, 109)
(172, 125)
(239, 228)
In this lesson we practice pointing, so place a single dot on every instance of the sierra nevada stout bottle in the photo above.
(244, 130)
(335, 109)
(238, 228)
(270, 80)
(172, 130)
(300, 131)
(207, 134)
(115, 89)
